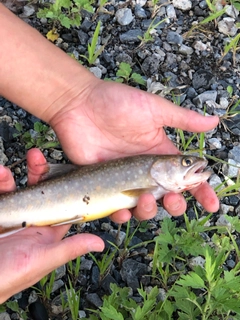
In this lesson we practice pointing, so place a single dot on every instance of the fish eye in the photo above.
(186, 162)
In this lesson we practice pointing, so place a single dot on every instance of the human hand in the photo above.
(29, 255)
(110, 120)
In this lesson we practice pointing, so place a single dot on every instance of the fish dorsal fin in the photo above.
(137, 191)
(55, 170)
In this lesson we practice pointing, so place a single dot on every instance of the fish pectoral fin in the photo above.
(55, 170)
(138, 191)
(77, 219)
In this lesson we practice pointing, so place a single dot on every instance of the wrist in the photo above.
(35, 74)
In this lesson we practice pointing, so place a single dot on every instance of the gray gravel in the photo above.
(189, 66)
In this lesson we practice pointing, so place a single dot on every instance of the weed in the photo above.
(104, 264)
(125, 74)
(73, 300)
(93, 52)
(46, 286)
(42, 137)
(147, 36)
(74, 269)
(66, 12)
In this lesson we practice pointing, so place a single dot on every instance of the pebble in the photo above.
(186, 50)
(214, 142)
(86, 264)
(174, 38)
(139, 12)
(96, 71)
(225, 209)
(56, 154)
(234, 153)
(170, 11)
(197, 261)
(205, 96)
(4, 316)
(131, 36)
(182, 4)
(57, 285)
(161, 214)
(202, 79)
(222, 221)
(231, 11)
(227, 26)
(119, 236)
(124, 16)
(94, 299)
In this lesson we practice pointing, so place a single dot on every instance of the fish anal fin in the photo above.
(138, 191)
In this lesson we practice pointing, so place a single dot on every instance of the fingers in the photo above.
(37, 165)
(70, 248)
(7, 182)
(177, 117)
(207, 197)
(175, 204)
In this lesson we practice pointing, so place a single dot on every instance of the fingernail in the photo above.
(149, 207)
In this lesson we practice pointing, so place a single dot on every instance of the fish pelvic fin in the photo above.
(138, 191)
(7, 231)
(77, 219)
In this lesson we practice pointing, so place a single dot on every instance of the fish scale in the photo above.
(95, 191)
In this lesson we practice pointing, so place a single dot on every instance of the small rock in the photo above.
(234, 153)
(185, 50)
(224, 103)
(232, 169)
(3, 157)
(202, 79)
(56, 154)
(227, 26)
(183, 5)
(231, 11)
(197, 261)
(200, 46)
(124, 16)
(4, 316)
(161, 214)
(131, 36)
(94, 299)
(170, 11)
(215, 181)
(82, 314)
(28, 10)
(86, 264)
(224, 208)
(214, 144)
(231, 263)
(96, 71)
(60, 272)
(174, 38)
(57, 285)
(141, 3)
(205, 96)
(140, 12)
(119, 236)
(222, 221)
(151, 64)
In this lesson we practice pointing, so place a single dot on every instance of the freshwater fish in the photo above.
(95, 191)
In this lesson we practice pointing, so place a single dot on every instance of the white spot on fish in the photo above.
(140, 171)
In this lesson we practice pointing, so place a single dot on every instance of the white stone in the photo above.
(227, 26)
(182, 4)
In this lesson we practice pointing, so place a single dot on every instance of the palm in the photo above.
(110, 126)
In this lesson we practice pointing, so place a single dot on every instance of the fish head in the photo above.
(179, 173)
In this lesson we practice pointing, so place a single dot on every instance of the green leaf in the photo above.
(112, 313)
(65, 21)
(138, 78)
(124, 70)
(191, 280)
(213, 16)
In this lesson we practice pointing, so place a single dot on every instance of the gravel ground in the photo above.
(189, 66)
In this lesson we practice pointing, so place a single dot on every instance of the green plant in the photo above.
(232, 45)
(42, 137)
(74, 269)
(147, 36)
(104, 264)
(120, 306)
(46, 286)
(125, 74)
(13, 306)
(66, 12)
(93, 52)
(236, 4)
(73, 300)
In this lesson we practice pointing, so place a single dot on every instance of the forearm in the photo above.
(34, 73)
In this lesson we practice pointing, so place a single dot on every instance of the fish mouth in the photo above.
(196, 173)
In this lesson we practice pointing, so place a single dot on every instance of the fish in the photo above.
(91, 192)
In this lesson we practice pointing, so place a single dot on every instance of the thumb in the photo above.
(169, 114)
(72, 247)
